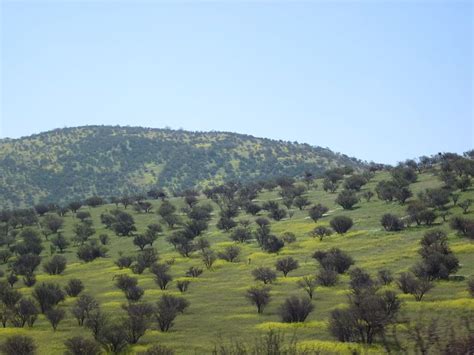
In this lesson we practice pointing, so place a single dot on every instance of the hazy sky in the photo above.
(379, 80)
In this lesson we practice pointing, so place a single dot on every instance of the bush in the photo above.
(272, 244)
(241, 235)
(18, 345)
(295, 309)
(74, 287)
(317, 211)
(56, 265)
(322, 232)
(285, 265)
(391, 223)
(162, 277)
(124, 282)
(408, 283)
(327, 277)
(91, 252)
(194, 271)
(48, 295)
(288, 237)
(26, 312)
(81, 346)
(464, 226)
(308, 284)
(259, 296)
(230, 254)
(385, 277)
(55, 316)
(157, 350)
(334, 259)
(264, 274)
(124, 261)
(84, 307)
(341, 224)
(167, 309)
(183, 285)
(347, 199)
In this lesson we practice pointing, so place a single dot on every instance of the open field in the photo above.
(219, 311)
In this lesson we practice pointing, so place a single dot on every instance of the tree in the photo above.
(230, 253)
(341, 224)
(437, 198)
(124, 224)
(241, 234)
(252, 208)
(368, 315)
(52, 223)
(18, 345)
(277, 214)
(347, 199)
(90, 252)
(167, 309)
(385, 276)
(74, 206)
(272, 244)
(81, 346)
(25, 312)
(409, 283)
(48, 295)
(296, 309)
(74, 287)
(391, 223)
(84, 307)
(226, 223)
(334, 259)
(83, 215)
(330, 186)
(308, 284)
(31, 242)
(301, 202)
(327, 277)
(56, 265)
(60, 242)
(138, 320)
(113, 337)
(470, 286)
(285, 265)
(368, 195)
(264, 274)
(141, 241)
(94, 201)
(464, 226)
(208, 257)
(83, 231)
(259, 296)
(55, 316)
(322, 232)
(182, 285)
(355, 182)
(465, 205)
(194, 271)
(317, 211)
(162, 277)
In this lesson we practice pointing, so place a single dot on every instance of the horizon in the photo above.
(393, 83)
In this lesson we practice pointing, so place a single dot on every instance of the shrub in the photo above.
(194, 271)
(138, 320)
(124, 282)
(347, 199)
(296, 309)
(183, 285)
(81, 346)
(285, 265)
(26, 312)
(385, 277)
(162, 277)
(464, 226)
(334, 259)
(241, 235)
(341, 224)
(317, 211)
(391, 222)
(327, 277)
(288, 237)
(264, 274)
(134, 293)
(157, 350)
(74, 287)
(91, 252)
(167, 309)
(272, 244)
(56, 265)
(84, 307)
(259, 296)
(230, 254)
(124, 261)
(18, 345)
(48, 295)
(321, 232)
(308, 284)
(55, 316)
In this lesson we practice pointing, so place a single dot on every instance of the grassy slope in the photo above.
(218, 307)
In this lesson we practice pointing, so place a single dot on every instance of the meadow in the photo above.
(220, 313)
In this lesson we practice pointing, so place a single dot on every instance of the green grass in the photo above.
(218, 307)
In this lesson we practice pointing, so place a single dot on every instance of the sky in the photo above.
(379, 80)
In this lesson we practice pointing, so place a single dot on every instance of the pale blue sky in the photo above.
(378, 80)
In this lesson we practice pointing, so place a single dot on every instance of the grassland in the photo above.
(220, 312)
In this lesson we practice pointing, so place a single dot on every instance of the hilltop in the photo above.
(69, 163)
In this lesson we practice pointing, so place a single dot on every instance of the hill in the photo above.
(218, 310)
(69, 163)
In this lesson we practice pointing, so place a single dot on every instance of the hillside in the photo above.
(219, 312)
(79, 162)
